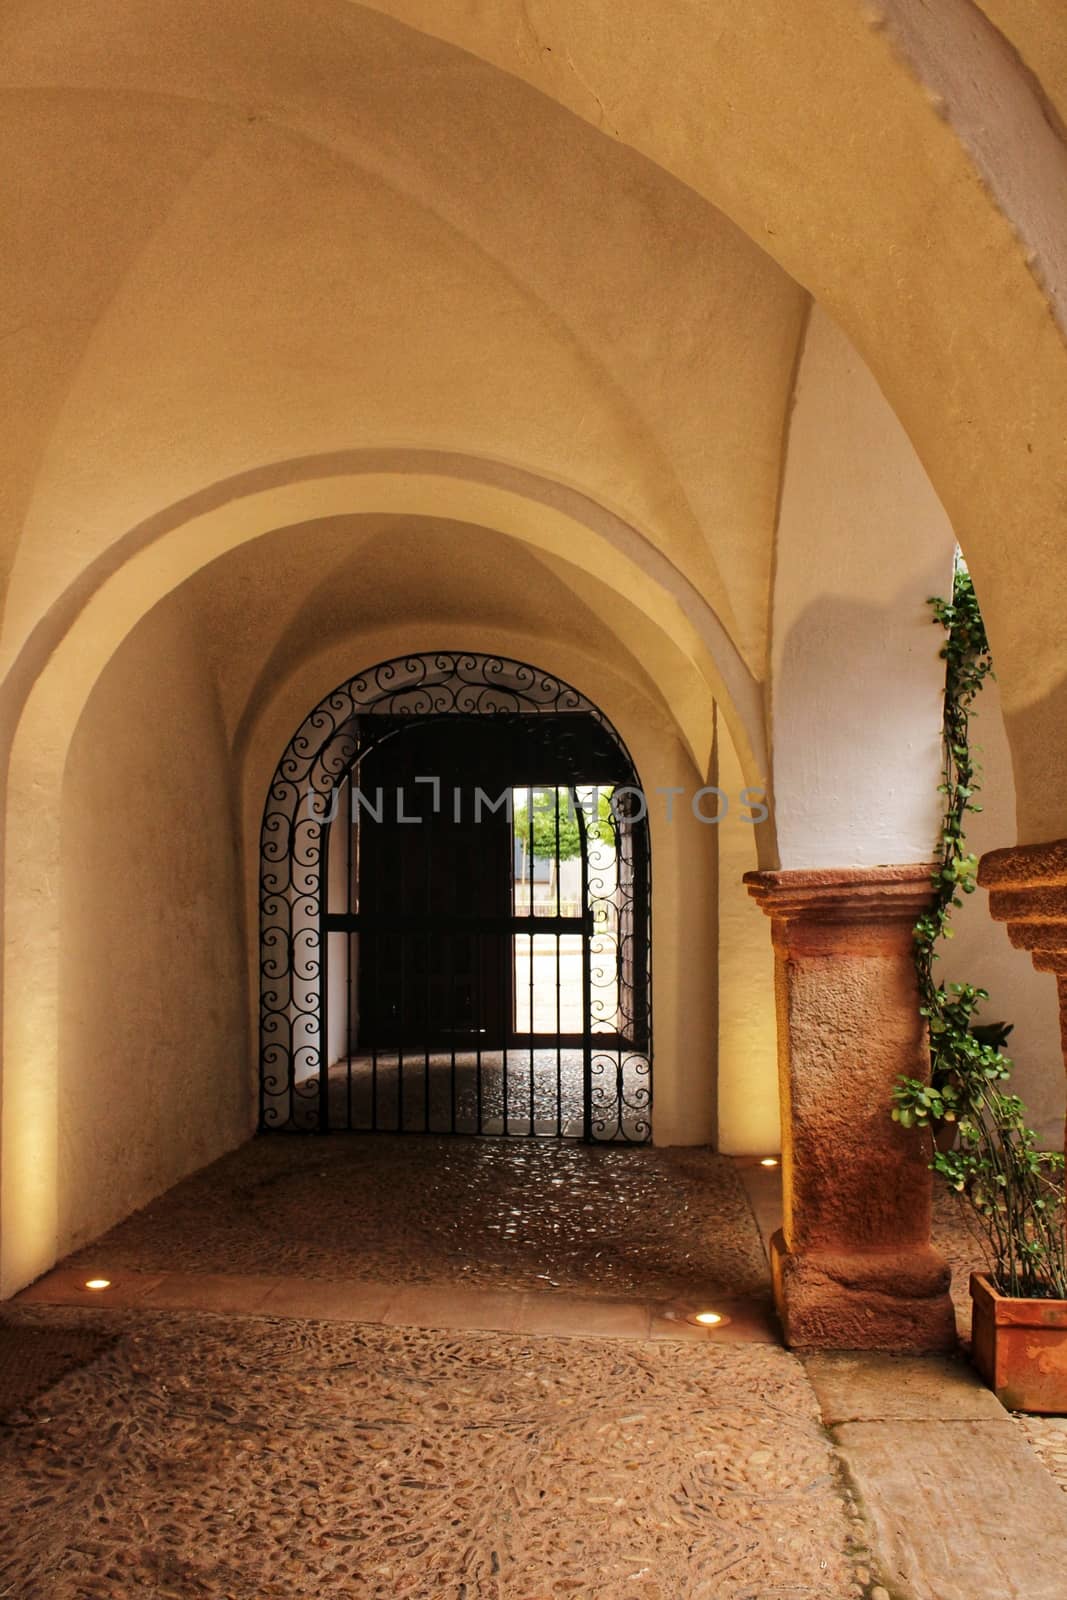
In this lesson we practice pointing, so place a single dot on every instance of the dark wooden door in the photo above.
(434, 894)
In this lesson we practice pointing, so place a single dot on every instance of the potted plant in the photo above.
(1019, 1328)
(981, 1144)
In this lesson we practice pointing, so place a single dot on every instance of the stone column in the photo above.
(853, 1266)
(1028, 890)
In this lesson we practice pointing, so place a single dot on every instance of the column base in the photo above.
(882, 1300)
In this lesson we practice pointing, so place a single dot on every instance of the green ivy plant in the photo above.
(1015, 1190)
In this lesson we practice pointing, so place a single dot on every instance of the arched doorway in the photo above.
(455, 885)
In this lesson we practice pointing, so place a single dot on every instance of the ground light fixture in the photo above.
(98, 1283)
(696, 1319)
(769, 1161)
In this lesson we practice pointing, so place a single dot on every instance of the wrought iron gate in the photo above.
(455, 911)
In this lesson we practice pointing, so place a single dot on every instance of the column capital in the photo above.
(831, 904)
(1027, 886)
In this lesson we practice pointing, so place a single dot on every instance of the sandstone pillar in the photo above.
(853, 1266)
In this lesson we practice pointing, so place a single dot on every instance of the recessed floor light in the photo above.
(696, 1319)
(98, 1283)
(769, 1161)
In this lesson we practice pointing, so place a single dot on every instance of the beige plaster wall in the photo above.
(213, 186)
(684, 946)
(301, 590)
(153, 1036)
(351, 271)
(273, 252)
(749, 1122)
(981, 952)
(928, 220)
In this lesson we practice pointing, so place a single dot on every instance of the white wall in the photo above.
(856, 680)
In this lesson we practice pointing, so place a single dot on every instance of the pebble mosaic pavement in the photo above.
(486, 1213)
(187, 1455)
(277, 1460)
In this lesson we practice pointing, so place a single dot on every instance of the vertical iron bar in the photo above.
(587, 983)
(402, 948)
(324, 972)
(427, 865)
(509, 991)
(291, 905)
(370, 952)
(559, 944)
(348, 943)
(290, 1072)
(479, 1002)
(450, 985)
(531, 970)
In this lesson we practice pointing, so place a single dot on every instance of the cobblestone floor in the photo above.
(304, 1458)
(655, 1224)
(260, 1460)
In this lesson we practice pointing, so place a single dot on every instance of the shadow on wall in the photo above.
(982, 953)
(857, 732)
(1039, 748)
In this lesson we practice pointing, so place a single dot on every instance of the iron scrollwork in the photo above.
(321, 757)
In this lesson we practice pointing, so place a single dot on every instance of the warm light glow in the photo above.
(98, 1283)
(709, 1318)
(769, 1161)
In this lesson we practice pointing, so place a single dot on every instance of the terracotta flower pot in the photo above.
(1020, 1348)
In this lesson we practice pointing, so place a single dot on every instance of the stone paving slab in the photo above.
(958, 1510)
(865, 1386)
(746, 1320)
(958, 1505)
(963, 1500)
(763, 1191)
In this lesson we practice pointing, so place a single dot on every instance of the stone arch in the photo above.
(318, 762)
(72, 646)
(949, 267)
